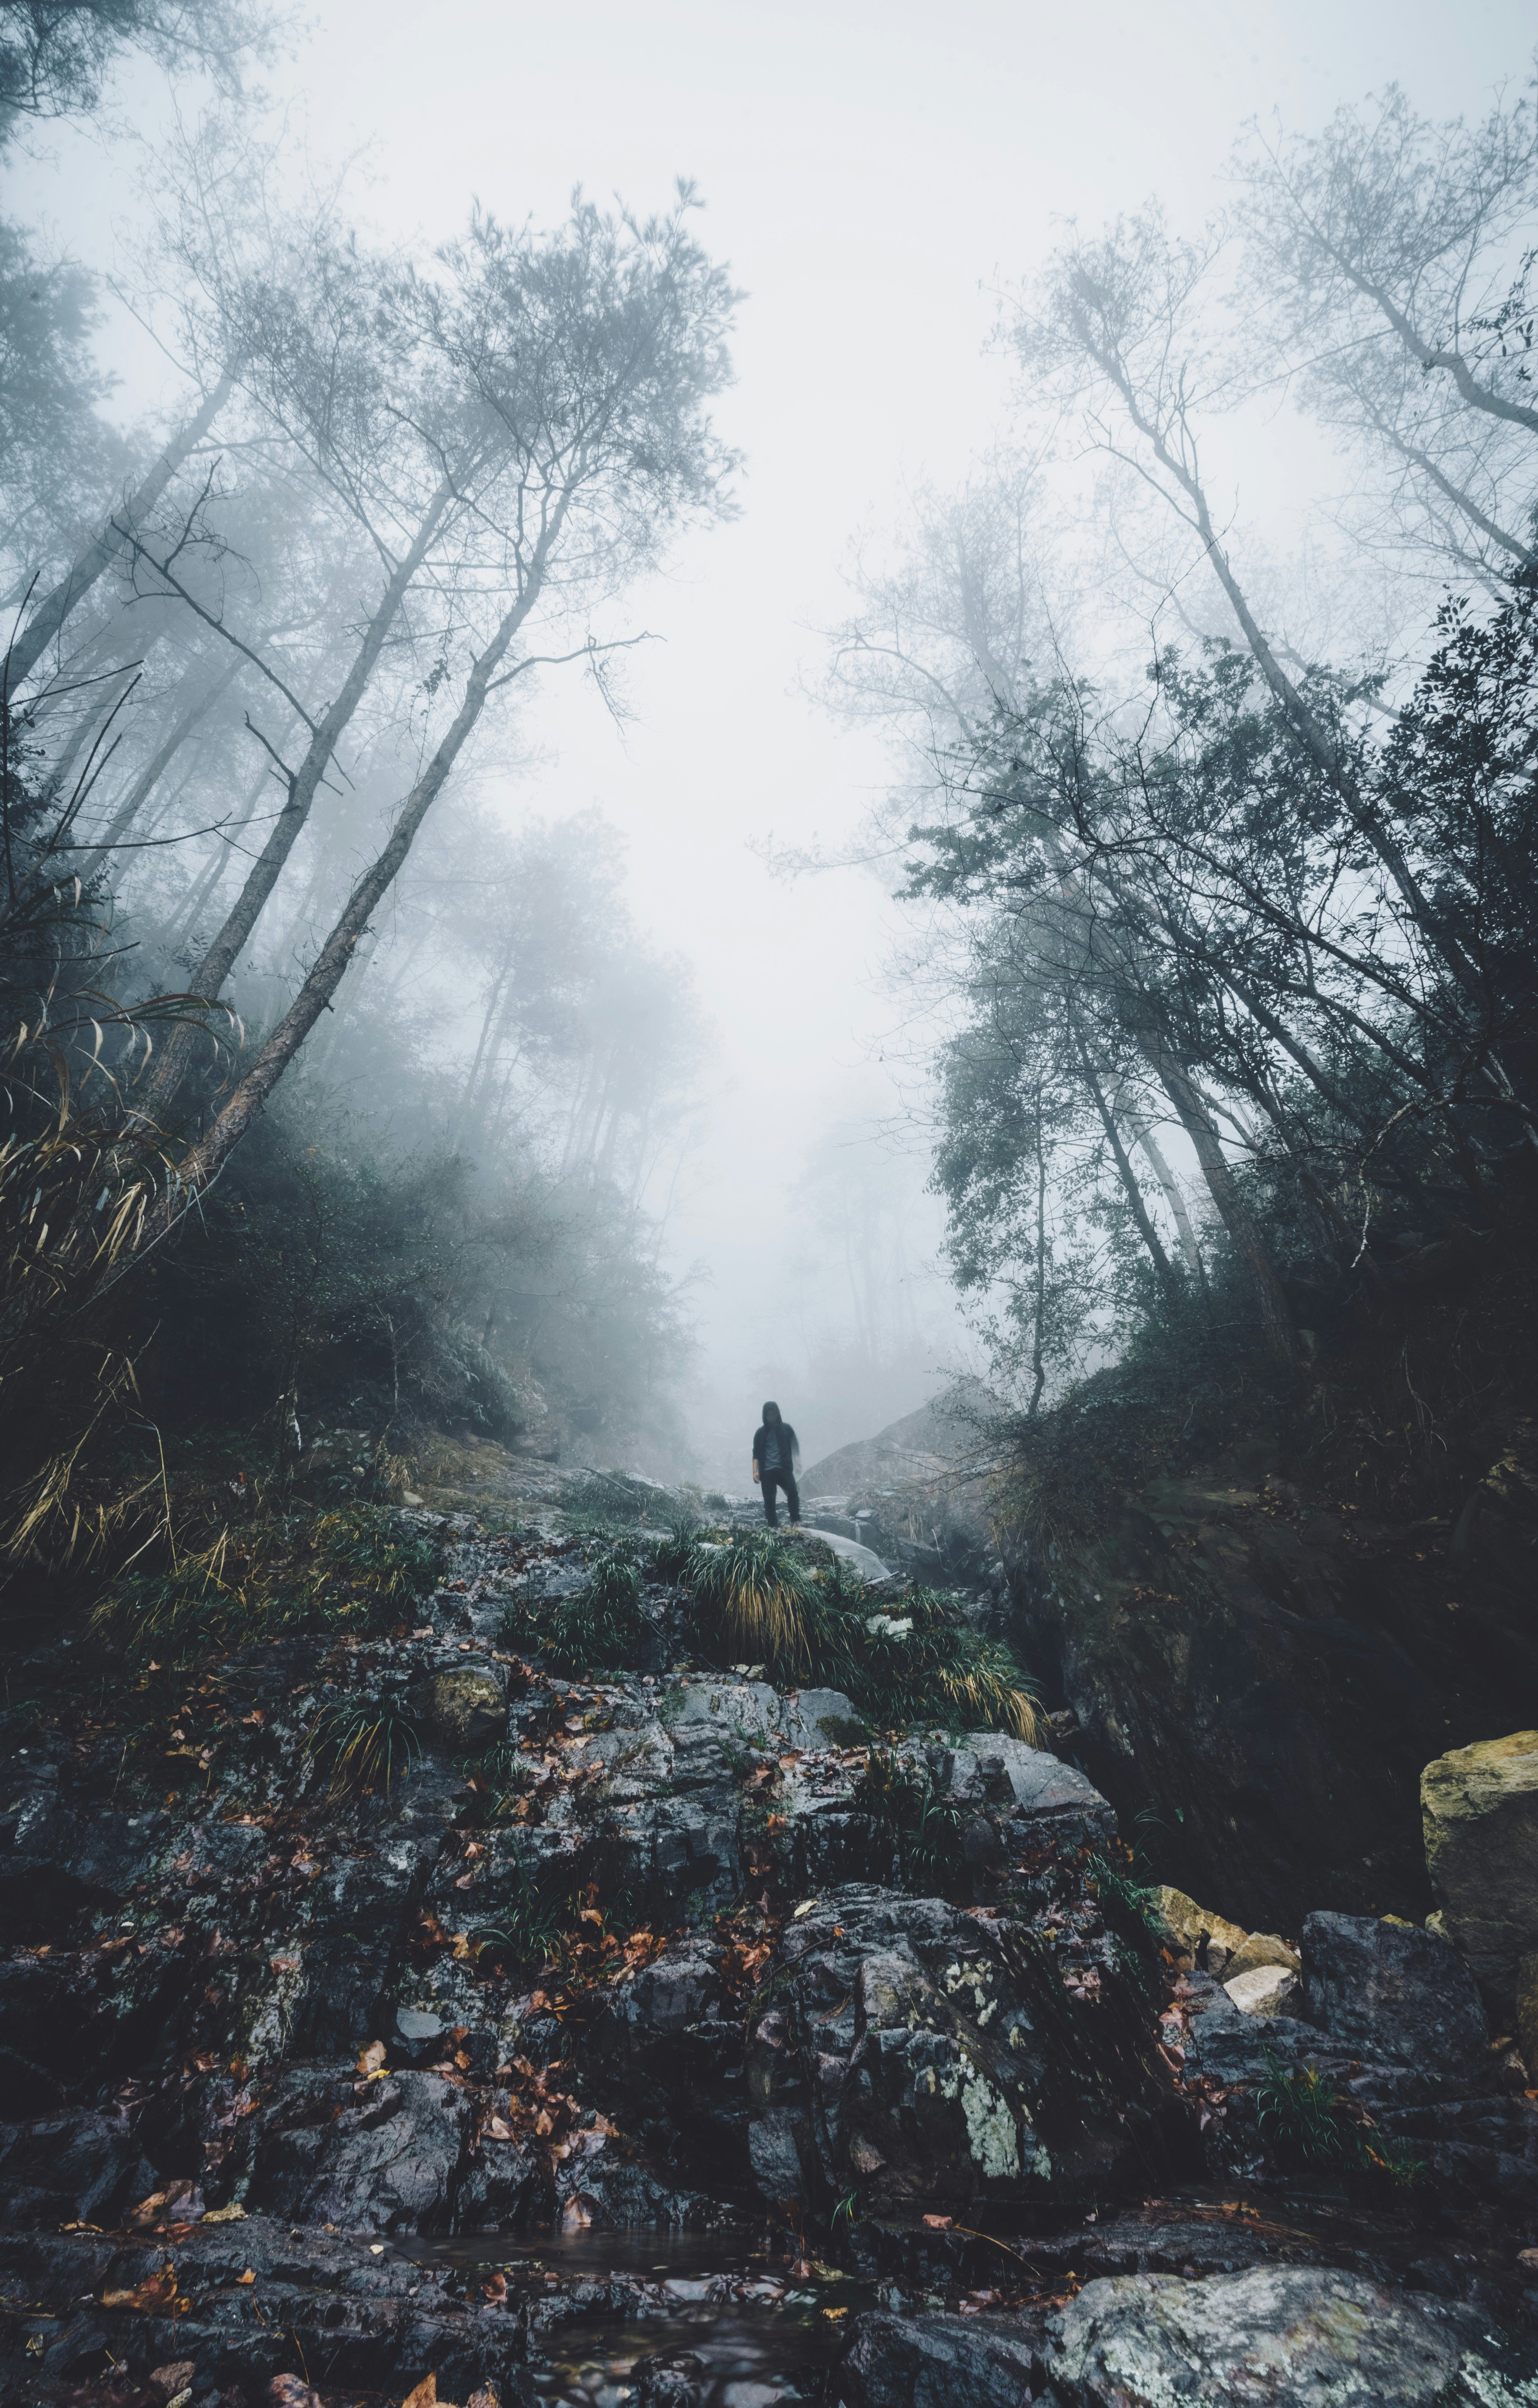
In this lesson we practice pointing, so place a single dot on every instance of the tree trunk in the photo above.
(1240, 1222)
(55, 607)
(208, 1156)
(214, 968)
(1129, 1177)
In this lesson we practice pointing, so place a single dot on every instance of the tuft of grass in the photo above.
(766, 1600)
(1306, 2122)
(367, 1746)
(672, 1552)
(603, 1628)
(758, 1600)
(920, 1659)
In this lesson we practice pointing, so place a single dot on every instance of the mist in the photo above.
(646, 987)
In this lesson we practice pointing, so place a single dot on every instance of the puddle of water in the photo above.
(601, 2301)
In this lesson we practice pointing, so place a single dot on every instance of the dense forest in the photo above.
(1232, 936)
(329, 1102)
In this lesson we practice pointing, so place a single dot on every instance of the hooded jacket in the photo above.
(790, 1445)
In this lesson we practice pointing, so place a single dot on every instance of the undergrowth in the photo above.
(350, 1567)
(1309, 2125)
(765, 1600)
(603, 1628)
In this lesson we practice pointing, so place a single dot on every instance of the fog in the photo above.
(874, 178)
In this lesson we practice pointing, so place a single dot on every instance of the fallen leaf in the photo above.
(372, 2058)
(234, 2213)
(497, 2130)
(249, 2276)
(805, 1908)
(938, 2223)
(425, 2395)
(150, 2297)
(495, 2289)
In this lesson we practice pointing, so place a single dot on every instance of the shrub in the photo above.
(603, 1628)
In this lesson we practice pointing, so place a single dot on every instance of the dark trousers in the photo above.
(786, 1480)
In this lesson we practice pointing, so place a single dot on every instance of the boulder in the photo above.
(376, 2157)
(464, 1711)
(1261, 1948)
(1479, 1812)
(935, 2362)
(1386, 1990)
(1034, 1786)
(1291, 2337)
(906, 2047)
(1267, 1990)
(1191, 1930)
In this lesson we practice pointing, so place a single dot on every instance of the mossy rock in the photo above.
(464, 1711)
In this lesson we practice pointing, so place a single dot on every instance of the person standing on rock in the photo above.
(775, 1448)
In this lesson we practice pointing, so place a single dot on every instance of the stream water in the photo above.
(600, 2304)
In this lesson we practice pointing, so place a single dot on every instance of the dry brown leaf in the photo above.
(151, 2298)
(249, 2276)
(425, 2395)
(371, 2058)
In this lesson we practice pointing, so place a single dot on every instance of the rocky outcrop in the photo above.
(1479, 1808)
(913, 2053)
(671, 1950)
(1293, 2337)
(1386, 1991)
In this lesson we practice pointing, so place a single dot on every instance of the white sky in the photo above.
(870, 171)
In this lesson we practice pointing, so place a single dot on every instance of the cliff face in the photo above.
(1261, 1674)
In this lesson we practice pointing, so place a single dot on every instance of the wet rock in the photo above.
(464, 1711)
(670, 2058)
(1479, 1813)
(1266, 1990)
(1190, 1930)
(906, 2047)
(380, 2156)
(937, 2361)
(670, 2379)
(1296, 2337)
(1527, 2010)
(83, 2166)
(1386, 1990)
(821, 1718)
(252, 2300)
